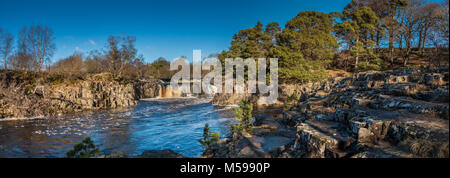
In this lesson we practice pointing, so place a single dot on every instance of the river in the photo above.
(153, 124)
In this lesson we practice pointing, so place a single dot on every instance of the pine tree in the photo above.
(209, 138)
(85, 149)
(244, 117)
(305, 47)
(358, 25)
(252, 43)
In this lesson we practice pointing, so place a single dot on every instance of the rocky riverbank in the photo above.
(167, 153)
(401, 113)
(29, 94)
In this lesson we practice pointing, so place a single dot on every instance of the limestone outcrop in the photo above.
(23, 97)
(400, 113)
(374, 114)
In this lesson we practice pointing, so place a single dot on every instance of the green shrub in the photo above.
(290, 101)
(28, 89)
(244, 117)
(209, 138)
(85, 149)
(55, 79)
(293, 67)
(376, 64)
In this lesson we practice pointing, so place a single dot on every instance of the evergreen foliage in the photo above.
(85, 149)
(244, 117)
(209, 138)
(291, 101)
(358, 26)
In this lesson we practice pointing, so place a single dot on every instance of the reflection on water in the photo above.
(174, 124)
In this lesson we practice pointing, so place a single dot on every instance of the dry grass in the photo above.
(443, 151)
(338, 73)
(429, 149)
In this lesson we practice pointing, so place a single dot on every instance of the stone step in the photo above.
(417, 91)
(292, 118)
(438, 95)
(404, 89)
(382, 150)
(390, 103)
(435, 79)
(412, 148)
(320, 139)
(252, 146)
(371, 126)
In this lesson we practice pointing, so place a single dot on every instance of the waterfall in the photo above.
(160, 87)
(166, 91)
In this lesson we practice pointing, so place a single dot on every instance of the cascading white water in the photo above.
(150, 125)
(166, 91)
(160, 88)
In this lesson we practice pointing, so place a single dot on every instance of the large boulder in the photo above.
(160, 154)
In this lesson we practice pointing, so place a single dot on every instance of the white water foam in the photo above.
(21, 118)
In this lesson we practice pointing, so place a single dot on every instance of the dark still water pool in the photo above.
(175, 124)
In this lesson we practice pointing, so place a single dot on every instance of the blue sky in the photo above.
(170, 28)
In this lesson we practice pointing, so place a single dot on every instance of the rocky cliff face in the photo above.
(284, 91)
(402, 113)
(22, 98)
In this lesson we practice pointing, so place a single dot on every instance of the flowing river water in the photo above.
(153, 124)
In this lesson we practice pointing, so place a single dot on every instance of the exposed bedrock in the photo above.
(22, 98)
(401, 113)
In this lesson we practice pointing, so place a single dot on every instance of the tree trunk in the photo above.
(420, 39)
(391, 44)
(408, 48)
(378, 36)
(424, 40)
(6, 52)
(357, 57)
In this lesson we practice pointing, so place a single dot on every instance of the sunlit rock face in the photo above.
(374, 114)
(22, 99)
(400, 113)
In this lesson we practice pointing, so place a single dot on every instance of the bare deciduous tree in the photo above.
(395, 7)
(444, 22)
(6, 45)
(409, 24)
(21, 60)
(40, 43)
(429, 17)
(121, 51)
(70, 65)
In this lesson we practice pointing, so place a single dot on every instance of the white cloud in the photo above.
(78, 49)
(92, 42)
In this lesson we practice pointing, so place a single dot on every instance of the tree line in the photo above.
(373, 34)
(35, 47)
(366, 35)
